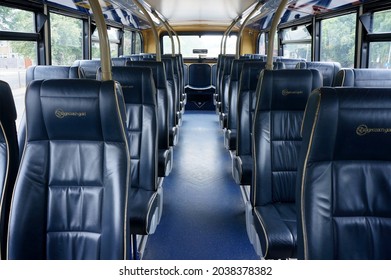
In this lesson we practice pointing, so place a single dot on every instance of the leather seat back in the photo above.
(71, 195)
(172, 88)
(164, 109)
(348, 77)
(328, 70)
(246, 103)
(279, 111)
(343, 186)
(139, 93)
(200, 76)
(9, 159)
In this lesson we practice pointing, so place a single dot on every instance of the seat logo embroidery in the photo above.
(363, 129)
(60, 113)
(287, 92)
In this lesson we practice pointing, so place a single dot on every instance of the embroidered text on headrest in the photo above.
(363, 129)
(60, 113)
(286, 92)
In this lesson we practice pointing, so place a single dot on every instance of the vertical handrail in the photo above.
(155, 34)
(176, 35)
(225, 35)
(104, 45)
(238, 42)
(272, 33)
(168, 31)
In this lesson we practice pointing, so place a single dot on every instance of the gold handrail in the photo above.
(155, 34)
(238, 42)
(272, 33)
(104, 45)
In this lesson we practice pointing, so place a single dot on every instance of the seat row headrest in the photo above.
(79, 113)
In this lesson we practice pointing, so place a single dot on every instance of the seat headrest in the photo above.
(350, 124)
(287, 89)
(348, 77)
(158, 71)
(251, 71)
(329, 70)
(42, 72)
(237, 66)
(87, 68)
(137, 84)
(74, 109)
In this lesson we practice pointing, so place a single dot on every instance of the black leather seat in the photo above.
(9, 160)
(222, 105)
(230, 131)
(279, 111)
(363, 77)
(200, 76)
(233, 88)
(242, 162)
(146, 193)
(165, 151)
(71, 195)
(343, 186)
(178, 79)
(223, 62)
(328, 70)
(172, 90)
(138, 88)
(87, 69)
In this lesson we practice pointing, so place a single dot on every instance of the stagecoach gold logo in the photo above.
(286, 92)
(363, 129)
(60, 113)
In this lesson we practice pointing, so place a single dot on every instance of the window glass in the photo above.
(66, 49)
(211, 43)
(138, 44)
(16, 20)
(297, 43)
(15, 58)
(381, 22)
(338, 40)
(380, 55)
(262, 44)
(127, 42)
(114, 43)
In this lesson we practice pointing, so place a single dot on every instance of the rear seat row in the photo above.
(150, 132)
(289, 172)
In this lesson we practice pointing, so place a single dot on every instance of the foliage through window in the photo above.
(66, 49)
(337, 41)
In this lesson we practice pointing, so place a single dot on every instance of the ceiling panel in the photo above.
(200, 11)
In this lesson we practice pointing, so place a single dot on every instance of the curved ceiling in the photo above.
(187, 12)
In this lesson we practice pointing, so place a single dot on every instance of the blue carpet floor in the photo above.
(203, 213)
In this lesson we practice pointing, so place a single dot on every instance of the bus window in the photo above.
(17, 55)
(114, 42)
(380, 52)
(127, 42)
(66, 49)
(210, 42)
(338, 39)
(296, 43)
(138, 42)
(262, 44)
